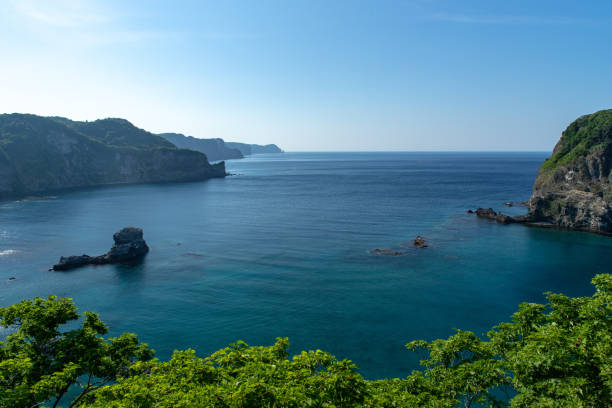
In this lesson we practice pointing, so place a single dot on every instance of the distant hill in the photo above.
(214, 149)
(117, 132)
(248, 149)
(41, 154)
(217, 149)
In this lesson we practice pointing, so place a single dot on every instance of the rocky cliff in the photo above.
(41, 154)
(573, 188)
(214, 149)
(218, 149)
(249, 149)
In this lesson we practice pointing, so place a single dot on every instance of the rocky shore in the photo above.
(573, 187)
(129, 247)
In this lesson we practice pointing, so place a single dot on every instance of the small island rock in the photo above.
(129, 247)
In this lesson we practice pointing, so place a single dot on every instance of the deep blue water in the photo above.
(282, 249)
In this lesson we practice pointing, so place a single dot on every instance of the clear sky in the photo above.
(315, 75)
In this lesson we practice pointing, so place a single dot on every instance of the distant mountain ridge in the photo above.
(214, 149)
(41, 154)
(217, 149)
(249, 149)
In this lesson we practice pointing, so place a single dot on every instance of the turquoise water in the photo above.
(282, 249)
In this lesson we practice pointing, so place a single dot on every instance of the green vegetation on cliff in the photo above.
(587, 134)
(573, 188)
(40, 154)
(118, 132)
(554, 355)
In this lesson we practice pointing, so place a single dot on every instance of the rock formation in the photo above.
(43, 154)
(249, 149)
(495, 216)
(214, 149)
(129, 247)
(573, 188)
(420, 242)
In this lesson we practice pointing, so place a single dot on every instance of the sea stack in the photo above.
(129, 247)
(573, 188)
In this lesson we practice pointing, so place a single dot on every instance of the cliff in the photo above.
(249, 149)
(214, 149)
(41, 154)
(573, 187)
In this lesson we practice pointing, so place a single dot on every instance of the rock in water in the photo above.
(495, 216)
(419, 242)
(71, 262)
(130, 247)
(573, 188)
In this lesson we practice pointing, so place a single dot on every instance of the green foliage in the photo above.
(560, 354)
(39, 362)
(239, 376)
(117, 132)
(40, 154)
(554, 355)
(586, 134)
(465, 367)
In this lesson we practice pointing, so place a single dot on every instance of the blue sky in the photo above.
(315, 75)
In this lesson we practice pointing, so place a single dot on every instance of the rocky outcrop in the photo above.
(218, 149)
(129, 247)
(573, 188)
(214, 149)
(495, 216)
(249, 149)
(41, 154)
(419, 242)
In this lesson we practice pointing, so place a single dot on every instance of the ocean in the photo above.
(282, 248)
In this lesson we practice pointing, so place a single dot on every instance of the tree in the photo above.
(554, 355)
(238, 376)
(560, 354)
(39, 362)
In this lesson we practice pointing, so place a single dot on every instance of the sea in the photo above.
(283, 248)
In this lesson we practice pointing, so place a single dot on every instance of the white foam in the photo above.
(8, 252)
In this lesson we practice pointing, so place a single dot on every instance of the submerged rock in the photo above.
(379, 251)
(129, 247)
(419, 242)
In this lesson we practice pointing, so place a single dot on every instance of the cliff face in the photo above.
(214, 149)
(249, 149)
(39, 154)
(573, 188)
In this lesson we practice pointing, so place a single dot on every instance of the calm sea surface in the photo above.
(282, 249)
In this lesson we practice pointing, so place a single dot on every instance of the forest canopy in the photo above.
(557, 354)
